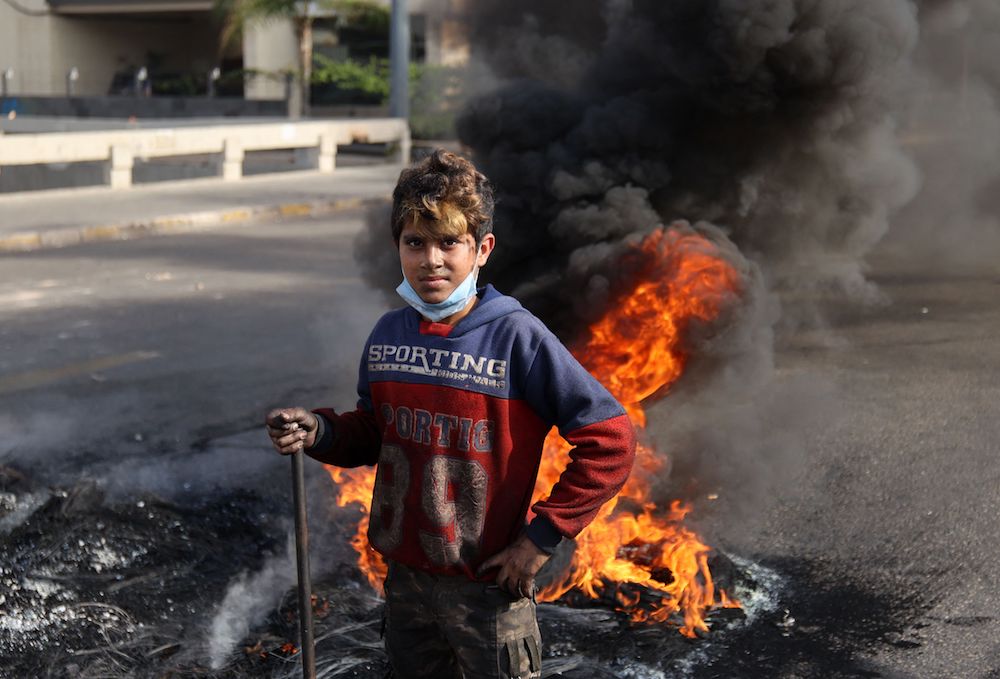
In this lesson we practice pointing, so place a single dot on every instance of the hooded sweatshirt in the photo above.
(455, 417)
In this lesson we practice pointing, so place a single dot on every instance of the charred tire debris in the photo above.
(96, 588)
(127, 588)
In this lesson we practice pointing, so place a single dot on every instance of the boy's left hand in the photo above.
(518, 565)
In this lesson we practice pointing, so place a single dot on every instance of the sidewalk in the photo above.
(43, 219)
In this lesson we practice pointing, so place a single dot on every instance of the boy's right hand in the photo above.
(291, 429)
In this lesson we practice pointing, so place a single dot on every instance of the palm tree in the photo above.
(237, 14)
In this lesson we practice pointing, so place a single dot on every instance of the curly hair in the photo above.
(443, 194)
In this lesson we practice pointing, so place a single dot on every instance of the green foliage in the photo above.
(365, 82)
(176, 85)
(362, 15)
(229, 84)
(232, 83)
(436, 95)
(235, 15)
(365, 16)
(435, 91)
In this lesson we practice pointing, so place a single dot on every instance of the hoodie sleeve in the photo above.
(561, 391)
(350, 439)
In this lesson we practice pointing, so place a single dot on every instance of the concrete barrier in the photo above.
(118, 106)
(119, 149)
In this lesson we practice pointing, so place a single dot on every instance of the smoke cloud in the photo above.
(951, 117)
(773, 120)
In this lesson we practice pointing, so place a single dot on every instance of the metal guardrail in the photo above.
(119, 149)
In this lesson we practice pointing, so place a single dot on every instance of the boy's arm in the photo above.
(560, 390)
(602, 436)
(600, 462)
(346, 439)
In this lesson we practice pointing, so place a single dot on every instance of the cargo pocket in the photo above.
(524, 657)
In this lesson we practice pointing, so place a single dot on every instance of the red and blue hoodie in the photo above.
(455, 418)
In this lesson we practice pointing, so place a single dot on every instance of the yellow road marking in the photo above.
(38, 378)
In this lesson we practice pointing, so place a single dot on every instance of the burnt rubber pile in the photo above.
(98, 589)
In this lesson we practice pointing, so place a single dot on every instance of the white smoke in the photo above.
(249, 599)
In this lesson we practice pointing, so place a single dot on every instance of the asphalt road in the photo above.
(899, 499)
(115, 349)
(886, 533)
(126, 361)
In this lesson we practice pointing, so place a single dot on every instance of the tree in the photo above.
(238, 14)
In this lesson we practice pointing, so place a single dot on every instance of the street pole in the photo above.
(399, 61)
(302, 559)
(289, 96)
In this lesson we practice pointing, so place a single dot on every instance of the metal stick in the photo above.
(302, 558)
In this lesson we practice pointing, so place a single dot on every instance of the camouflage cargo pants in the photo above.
(451, 628)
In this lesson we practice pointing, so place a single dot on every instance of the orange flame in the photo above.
(355, 486)
(636, 350)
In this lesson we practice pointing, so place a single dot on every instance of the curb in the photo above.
(26, 241)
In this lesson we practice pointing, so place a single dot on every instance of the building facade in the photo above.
(107, 42)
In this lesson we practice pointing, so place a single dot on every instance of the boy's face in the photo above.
(436, 265)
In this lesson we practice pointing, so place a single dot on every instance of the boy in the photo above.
(457, 393)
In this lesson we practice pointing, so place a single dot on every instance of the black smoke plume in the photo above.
(771, 119)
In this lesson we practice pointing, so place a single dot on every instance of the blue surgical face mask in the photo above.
(456, 301)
